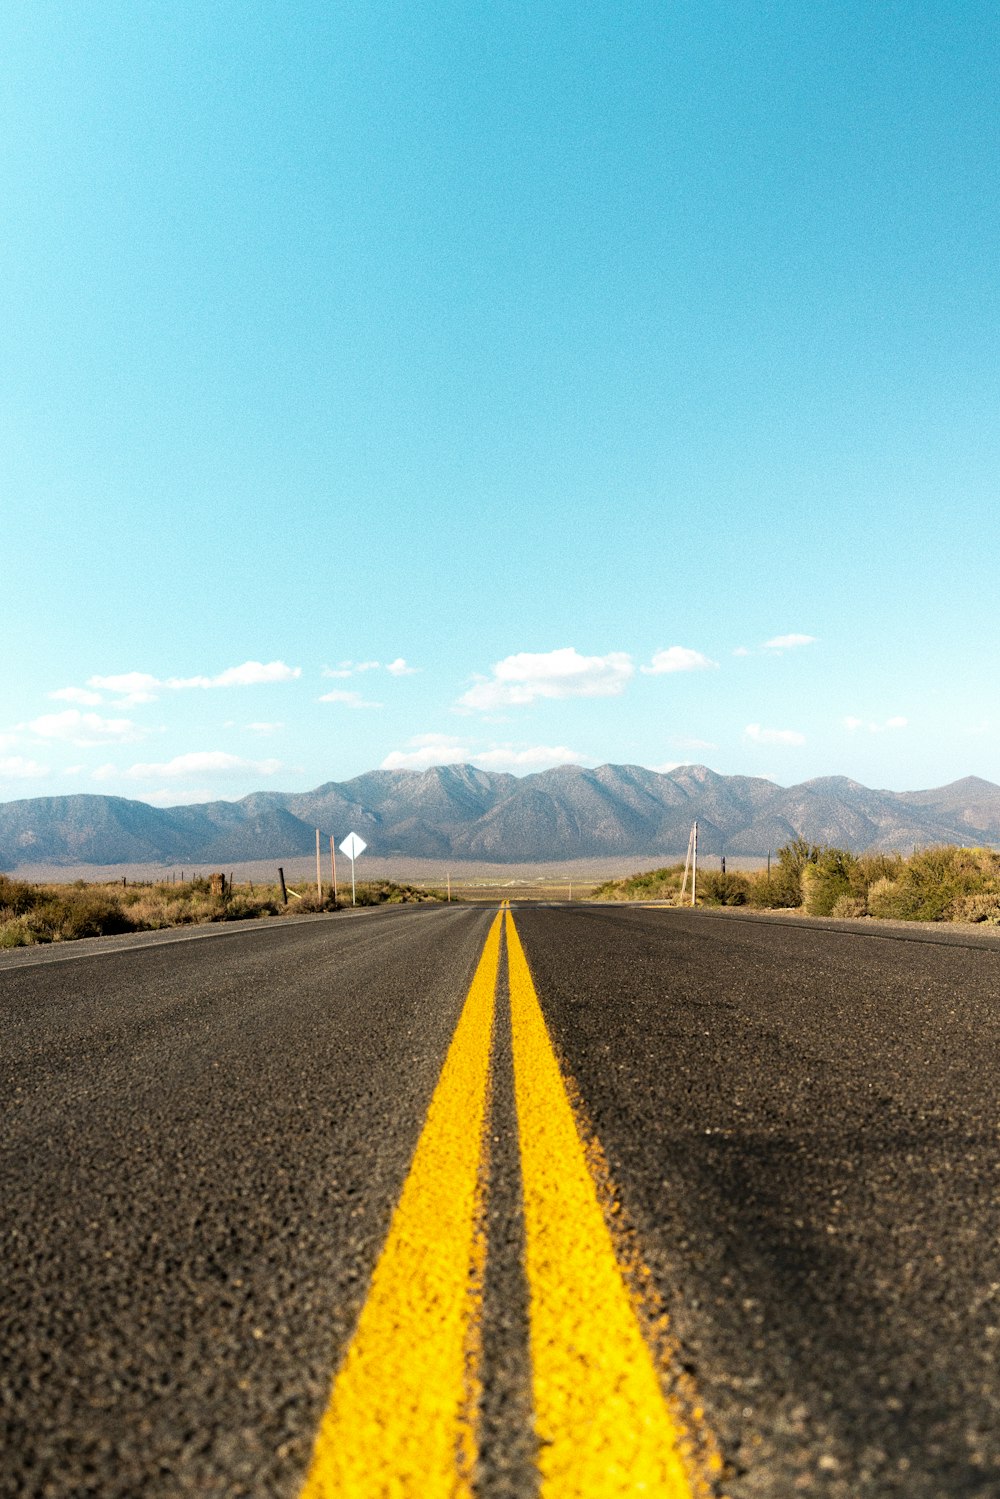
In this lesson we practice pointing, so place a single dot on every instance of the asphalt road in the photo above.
(204, 1141)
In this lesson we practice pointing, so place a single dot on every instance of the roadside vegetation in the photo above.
(32, 913)
(944, 883)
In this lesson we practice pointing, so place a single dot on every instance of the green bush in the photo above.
(655, 884)
(944, 883)
(793, 860)
(765, 893)
(718, 889)
(867, 868)
(887, 901)
(826, 880)
(16, 896)
(14, 931)
(937, 883)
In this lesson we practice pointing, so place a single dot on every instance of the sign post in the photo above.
(353, 846)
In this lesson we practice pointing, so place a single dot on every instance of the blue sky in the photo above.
(622, 379)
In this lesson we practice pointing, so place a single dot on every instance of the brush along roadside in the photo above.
(942, 883)
(31, 913)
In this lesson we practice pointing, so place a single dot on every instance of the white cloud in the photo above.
(757, 735)
(667, 767)
(427, 750)
(677, 658)
(397, 668)
(179, 795)
(79, 695)
(7, 741)
(250, 674)
(84, 729)
(17, 768)
(198, 763)
(348, 699)
(131, 686)
(264, 728)
(141, 687)
(444, 749)
(534, 757)
(741, 650)
(161, 796)
(788, 642)
(350, 668)
(896, 722)
(528, 676)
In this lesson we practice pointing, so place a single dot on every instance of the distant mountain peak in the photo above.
(463, 812)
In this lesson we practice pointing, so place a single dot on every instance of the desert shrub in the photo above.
(93, 914)
(888, 901)
(378, 893)
(152, 912)
(768, 893)
(14, 931)
(867, 868)
(982, 907)
(792, 861)
(84, 913)
(718, 889)
(52, 913)
(308, 901)
(244, 906)
(944, 883)
(933, 882)
(653, 884)
(17, 896)
(848, 906)
(826, 880)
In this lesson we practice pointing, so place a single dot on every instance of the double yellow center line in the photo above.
(402, 1415)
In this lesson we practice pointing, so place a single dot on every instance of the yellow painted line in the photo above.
(604, 1428)
(401, 1417)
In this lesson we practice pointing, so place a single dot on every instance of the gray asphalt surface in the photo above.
(203, 1141)
(203, 1144)
(804, 1127)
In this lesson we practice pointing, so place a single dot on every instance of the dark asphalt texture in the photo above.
(203, 1141)
(804, 1128)
(202, 1147)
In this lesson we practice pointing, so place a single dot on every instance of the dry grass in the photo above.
(32, 913)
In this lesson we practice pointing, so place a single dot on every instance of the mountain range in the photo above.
(461, 813)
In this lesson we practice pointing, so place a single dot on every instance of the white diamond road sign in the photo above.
(352, 846)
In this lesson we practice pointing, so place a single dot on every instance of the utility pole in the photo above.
(694, 864)
(449, 887)
(333, 867)
(687, 866)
